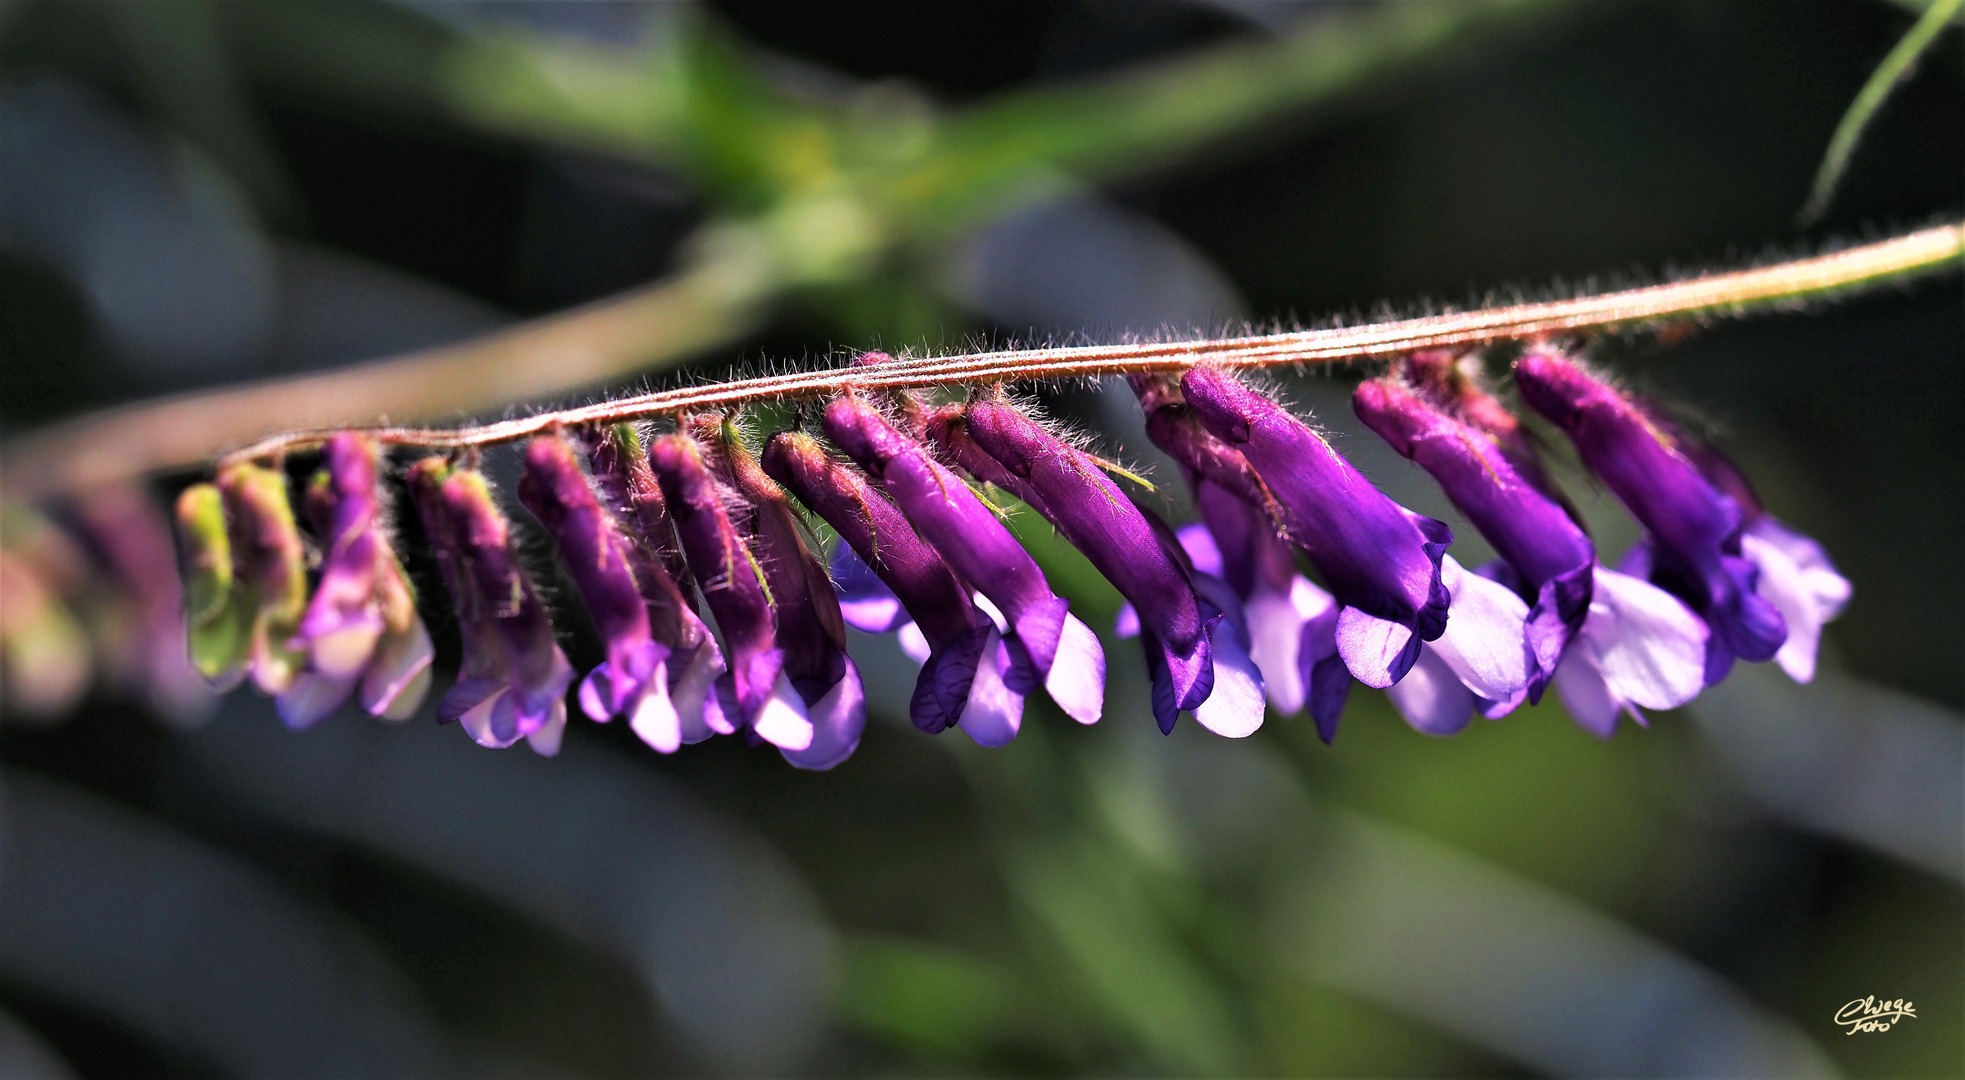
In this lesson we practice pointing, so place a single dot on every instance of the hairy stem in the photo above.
(187, 431)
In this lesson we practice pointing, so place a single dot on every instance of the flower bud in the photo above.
(269, 570)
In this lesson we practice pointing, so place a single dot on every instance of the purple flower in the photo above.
(888, 575)
(1694, 527)
(756, 693)
(1045, 641)
(1142, 559)
(1550, 555)
(1381, 561)
(514, 677)
(1291, 622)
(633, 680)
(269, 575)
(809, 627)
(361, 628)
(629, 489)
(1796, 574)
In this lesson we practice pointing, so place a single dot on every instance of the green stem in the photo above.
(1893, 69)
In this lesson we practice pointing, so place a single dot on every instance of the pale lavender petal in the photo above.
(1276, 623)
(1431, 697)
(1829, 588)
(1807, 595)
(1234, 708)
(1485, 641)
(1646, 644)
(1126, 624)
(1077, 677)
(865, 601)
(1199, 543)
(1378, 652)
(994, 712)
(1586, 695)
(837, 720)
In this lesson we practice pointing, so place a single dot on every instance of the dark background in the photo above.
(1607, 143)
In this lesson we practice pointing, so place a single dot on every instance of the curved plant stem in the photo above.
(188, 431)
(1892, 71)
(708, 305)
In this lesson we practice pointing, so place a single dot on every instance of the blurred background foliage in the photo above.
(192, 193)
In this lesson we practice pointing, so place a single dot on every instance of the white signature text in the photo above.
(1869, 1014)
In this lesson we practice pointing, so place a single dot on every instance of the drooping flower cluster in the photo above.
(316, 609)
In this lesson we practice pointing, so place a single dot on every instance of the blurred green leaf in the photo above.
(927, 997)
(1128, 957)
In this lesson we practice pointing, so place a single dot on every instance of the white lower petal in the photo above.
(1076, 680)
(913, 642)
(654, 717)
(1235, 706)
(1371, 646)
(1486, 641)
(1649, 648)
(993, 713)
(783, 721)
(838, 719)
(1431, 697)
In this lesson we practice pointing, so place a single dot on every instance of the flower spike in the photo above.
(755, 693)
(1047, 645)
(1381, 560)
(514, 679)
